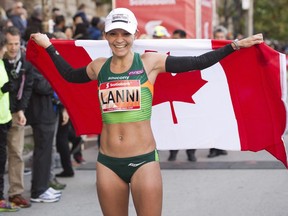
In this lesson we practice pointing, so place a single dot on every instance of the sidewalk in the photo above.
(239, 184)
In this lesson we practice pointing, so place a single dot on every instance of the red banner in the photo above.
(173, 14)
(206, 18)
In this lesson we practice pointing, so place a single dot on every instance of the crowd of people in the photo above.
(34, 102)
(27, 98)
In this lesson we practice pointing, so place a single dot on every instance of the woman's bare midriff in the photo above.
(127, 139)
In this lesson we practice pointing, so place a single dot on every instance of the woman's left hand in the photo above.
(250, 41)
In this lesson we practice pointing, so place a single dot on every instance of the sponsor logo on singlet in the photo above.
(119, 78)
(121, 95)
(136, 72)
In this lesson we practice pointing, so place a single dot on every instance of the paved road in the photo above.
(239, 184)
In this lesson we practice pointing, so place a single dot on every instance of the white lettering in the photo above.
(152, 2)
(207, 3)
(119, 84)
(119, 78)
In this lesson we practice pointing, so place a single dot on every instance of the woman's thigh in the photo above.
(113, 192)
(146, 189)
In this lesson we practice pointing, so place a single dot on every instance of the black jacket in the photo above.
(24, 74)
(41, 109)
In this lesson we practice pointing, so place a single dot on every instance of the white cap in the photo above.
(121, 18)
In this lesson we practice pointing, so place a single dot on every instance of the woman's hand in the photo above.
(249, 41)
(41, 39)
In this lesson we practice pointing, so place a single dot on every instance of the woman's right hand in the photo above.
(41, 39)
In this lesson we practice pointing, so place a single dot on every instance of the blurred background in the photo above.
(198, 17)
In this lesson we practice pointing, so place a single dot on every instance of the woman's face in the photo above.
(120, 41)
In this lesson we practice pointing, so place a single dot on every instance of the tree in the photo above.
(271, 18)
(231, 14)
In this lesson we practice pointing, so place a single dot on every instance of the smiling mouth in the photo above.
(120, 46)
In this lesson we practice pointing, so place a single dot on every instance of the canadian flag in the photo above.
(236, 104)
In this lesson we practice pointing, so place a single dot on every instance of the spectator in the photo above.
(60, 23)
(4, 21)
(81, 13)
(55, 12)
(51, 22)
(3, 15)
(94, 32)
(60, 26)
(220, 33)
(77, 144)
(60, 35)
(34, 23)
(160, 32)
(20, 74)
(5, 24)
(62, 144)
(35, 20)
(69, 32)
(61, 120)
(77, 19)
(81, 32)
(18, 18)
(181, 34)
(62, 135)
(42, 118)
(5, 123)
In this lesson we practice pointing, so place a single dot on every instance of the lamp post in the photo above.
(247, 5)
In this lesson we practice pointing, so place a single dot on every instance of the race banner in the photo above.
(172, 14)
(206, 19)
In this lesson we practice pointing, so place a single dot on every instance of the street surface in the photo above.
(239, 184)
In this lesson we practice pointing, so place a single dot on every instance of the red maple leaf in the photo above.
(179, 87)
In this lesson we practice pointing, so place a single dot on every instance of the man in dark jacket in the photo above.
(20, 75)
(42, 117)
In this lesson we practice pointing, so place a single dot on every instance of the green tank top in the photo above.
(125, 97)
